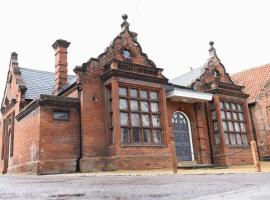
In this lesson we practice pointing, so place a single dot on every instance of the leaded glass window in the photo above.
(233, 123)
(153, 95)
(236, 126)
(123, 104)
(136, 133)
(229, 115)
(135, 119)
(154, 107)
(147, 135)
(221, 105)
(241, 116)
(234, 115)
(144, 106)
(143, 94)
(232, 138)
(214, 115)
(134, 105)
(124, 119)
(215, 126)
(133, 93)
(230, 125)
(123, 92)
(157, 136)
(145, 120)
(215, 123)
(223, 115)
(238, 139)
(226, 138)
(243, 127)
(224, 124)
(125, 135)
(139, 116)
(155, 120)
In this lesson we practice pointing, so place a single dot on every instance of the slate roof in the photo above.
(254, 80)
(40, 82)
(188, 78)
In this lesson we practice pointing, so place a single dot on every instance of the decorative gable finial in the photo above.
(125, 24)
(212, 50)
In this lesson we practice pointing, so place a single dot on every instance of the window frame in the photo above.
(144, 130)
(61, 111)
(231, 135)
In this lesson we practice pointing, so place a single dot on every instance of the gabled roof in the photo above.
(254, 80)
(188, 78)
(40, 82)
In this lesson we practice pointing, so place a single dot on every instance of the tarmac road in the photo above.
(255, 186)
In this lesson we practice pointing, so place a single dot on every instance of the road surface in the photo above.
(252, 186)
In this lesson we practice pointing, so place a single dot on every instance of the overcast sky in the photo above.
(174, 34)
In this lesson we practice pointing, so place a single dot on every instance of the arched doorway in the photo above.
(182, 137)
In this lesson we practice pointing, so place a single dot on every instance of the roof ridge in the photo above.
(252, 69)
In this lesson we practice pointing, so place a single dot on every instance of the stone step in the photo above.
(194, 165)
(187, 163)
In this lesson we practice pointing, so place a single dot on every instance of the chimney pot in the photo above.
(14, 56)
(60, 43)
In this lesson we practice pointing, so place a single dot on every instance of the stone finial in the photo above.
(212, 49)
(212, 52)
(124, 17)
(14, 57)
(125, 24)
(61, 43)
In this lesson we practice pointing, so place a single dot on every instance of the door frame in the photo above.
(189, 132)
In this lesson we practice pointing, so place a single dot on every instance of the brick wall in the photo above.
(26, 144)
(59, 141)
(94, 141)
(261, 120)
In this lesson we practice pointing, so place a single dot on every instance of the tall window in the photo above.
(233, 123)
(215, 124)
(139, 116)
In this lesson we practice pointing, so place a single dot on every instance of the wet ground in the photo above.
(200, 187)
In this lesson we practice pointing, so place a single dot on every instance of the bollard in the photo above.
(174, 158)
(255, 156)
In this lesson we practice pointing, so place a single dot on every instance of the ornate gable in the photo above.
(215, 79)
(124, 57)
(126, 48)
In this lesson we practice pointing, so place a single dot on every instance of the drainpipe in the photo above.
(253, 126)
(80, 131)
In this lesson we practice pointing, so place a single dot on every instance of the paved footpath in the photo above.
(249, 186)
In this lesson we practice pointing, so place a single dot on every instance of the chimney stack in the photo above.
(61, 71)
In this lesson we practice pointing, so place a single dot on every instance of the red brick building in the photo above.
(120, 112)
(259, 104)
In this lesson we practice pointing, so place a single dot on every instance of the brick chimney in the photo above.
(61, 75)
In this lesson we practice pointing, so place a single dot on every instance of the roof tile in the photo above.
(253, 80)
(40, 82)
